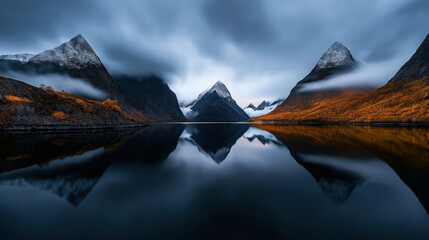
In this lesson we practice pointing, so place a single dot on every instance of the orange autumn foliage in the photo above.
(16, 99)
(403, 101)
(60, 115)
(111, 105)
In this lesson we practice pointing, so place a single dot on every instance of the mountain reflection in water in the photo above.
(219, 181)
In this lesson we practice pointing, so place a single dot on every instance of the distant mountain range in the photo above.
(404, 99)
(215, 105)
(263, 108)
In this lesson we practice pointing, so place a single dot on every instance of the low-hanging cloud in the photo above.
(59, 82)
(367, 75)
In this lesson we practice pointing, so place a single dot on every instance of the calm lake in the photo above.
(216, 181)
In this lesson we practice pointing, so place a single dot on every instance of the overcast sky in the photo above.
(259, 49)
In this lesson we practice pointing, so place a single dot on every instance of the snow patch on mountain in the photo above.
(336, 56)
(186, 110)
(75, 53)
(219, 88)
(262, 109)
(18, 57)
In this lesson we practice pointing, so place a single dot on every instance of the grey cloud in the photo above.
(243, 21)
(261, 48)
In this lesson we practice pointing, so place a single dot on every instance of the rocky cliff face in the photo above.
(152, 97)
(417, 66)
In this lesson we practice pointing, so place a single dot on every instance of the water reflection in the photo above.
(406, 150)
(265, 181)
(69, 164)
(215, 140)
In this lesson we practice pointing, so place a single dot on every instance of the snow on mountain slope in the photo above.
(18, 57)
(72, 54)
(218, 87)
(186, 110)
(262, 109)
(336, 56)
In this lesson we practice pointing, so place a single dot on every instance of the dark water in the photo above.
(218, 181)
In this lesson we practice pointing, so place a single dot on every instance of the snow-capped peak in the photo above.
(220, 89)
(336, 56)
(75, 53)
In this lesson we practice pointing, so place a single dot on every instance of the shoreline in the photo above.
(67, 127)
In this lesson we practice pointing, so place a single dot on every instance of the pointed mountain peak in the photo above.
(251, 106)
(220, 89)
(336, 56)
(76, 53)
(78, 40)
(263, 105)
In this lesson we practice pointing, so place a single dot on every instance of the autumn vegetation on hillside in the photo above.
(399, 101)
(404, 99)
(23, 104)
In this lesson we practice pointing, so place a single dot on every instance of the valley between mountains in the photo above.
(129, 101)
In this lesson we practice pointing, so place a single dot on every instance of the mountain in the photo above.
(215, 105)
(262, 105)
(137, 96)
(263, 108)
(75, 58)
(404, 99)
(23, 106)
(250, 106)
(152, 97)
(335, 61)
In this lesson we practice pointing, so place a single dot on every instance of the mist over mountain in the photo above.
(74, 59)
(263, 108)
